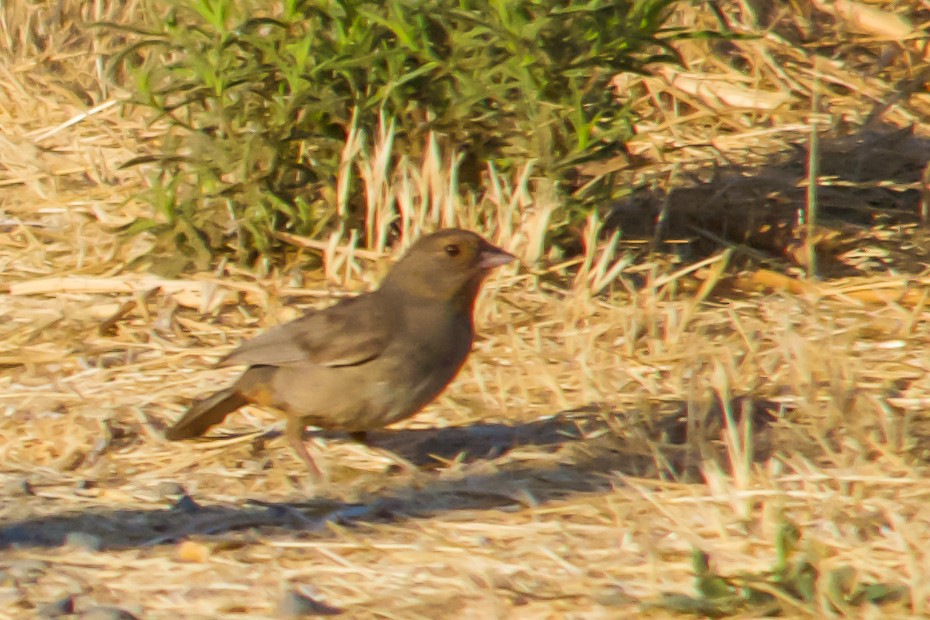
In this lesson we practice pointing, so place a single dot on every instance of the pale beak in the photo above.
(492, 257)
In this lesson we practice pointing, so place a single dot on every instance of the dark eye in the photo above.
(452, 249)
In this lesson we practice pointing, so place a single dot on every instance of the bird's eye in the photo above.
(452, 249)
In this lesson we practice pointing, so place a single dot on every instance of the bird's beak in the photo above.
(492, 257)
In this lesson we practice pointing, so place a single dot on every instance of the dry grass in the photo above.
(593, 440)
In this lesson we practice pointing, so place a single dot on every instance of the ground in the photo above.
(611, 421)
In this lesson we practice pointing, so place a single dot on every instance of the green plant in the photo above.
(258, 100)
(796, 583)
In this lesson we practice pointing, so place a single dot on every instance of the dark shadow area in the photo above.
(872, 179)
(569, 453)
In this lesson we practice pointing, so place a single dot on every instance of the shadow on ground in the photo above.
(872, 178)
(566, 454)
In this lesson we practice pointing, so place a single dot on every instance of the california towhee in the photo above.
(367, 361)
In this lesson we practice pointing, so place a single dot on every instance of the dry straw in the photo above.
(615, 414)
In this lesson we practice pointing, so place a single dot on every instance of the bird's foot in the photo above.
(396, 463)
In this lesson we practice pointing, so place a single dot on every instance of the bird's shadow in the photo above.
(499, 466)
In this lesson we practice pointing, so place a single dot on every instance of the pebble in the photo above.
(106, 613)
(56, 609)
(27, 571)
(296, 605)
(83, 540)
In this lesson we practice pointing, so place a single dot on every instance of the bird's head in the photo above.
(448, 266)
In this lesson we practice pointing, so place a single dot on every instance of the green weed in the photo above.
(258, 101)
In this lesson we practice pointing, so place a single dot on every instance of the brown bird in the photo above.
(368, 361)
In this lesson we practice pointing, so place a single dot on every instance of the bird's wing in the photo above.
(349, 333)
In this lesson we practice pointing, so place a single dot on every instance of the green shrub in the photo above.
(258, 101)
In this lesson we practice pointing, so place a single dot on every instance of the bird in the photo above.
(367, 361)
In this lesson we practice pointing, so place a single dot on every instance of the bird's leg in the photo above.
(294, 431)
(362, 438)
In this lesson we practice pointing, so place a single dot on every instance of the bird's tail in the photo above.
(205, 413)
